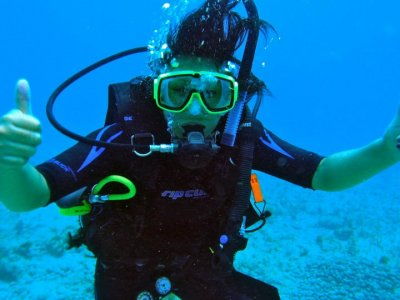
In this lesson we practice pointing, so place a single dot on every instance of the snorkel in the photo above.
(235, 227)
(235, 115)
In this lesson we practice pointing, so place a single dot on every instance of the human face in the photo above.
(197, 108)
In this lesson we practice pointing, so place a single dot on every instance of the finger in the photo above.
(25, 137)
(12, 161)
(17, 150)
(15, 155)
(23, 95)
(19, 128)
(21, 120)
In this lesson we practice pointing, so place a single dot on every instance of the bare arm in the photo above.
(22, 187)
(348, 168)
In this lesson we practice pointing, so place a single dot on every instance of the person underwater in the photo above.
(189, 145)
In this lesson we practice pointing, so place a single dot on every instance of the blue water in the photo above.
(334, 71)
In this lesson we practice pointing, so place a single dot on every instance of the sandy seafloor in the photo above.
(317, 245)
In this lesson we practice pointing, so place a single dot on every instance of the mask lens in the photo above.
(218, 95)
(174, 92)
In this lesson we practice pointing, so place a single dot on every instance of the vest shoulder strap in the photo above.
(126, 98)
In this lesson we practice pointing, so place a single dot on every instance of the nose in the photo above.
(195, 108)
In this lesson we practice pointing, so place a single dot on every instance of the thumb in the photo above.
(23, 96)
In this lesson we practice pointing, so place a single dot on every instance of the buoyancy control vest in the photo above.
(129, 105)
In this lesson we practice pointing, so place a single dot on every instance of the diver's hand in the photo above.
(391, 138)
(20, 132)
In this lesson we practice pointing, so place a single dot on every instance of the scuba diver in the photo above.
(163, 188)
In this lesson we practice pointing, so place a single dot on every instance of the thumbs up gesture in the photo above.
(20, 132)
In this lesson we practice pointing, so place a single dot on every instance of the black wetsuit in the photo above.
(175, 218)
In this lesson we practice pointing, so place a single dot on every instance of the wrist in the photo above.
(388, 151)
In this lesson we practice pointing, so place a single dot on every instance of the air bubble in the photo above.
(166, 5)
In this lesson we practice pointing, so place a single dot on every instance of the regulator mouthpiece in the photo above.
(195, 151)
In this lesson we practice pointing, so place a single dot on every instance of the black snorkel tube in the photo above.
(71, 80)
(232, 123)
(236, 223)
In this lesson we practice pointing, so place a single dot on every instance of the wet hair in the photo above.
(215, 31)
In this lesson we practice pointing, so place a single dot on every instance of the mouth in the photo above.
(193, 128)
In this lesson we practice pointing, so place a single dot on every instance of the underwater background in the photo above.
(334, 72)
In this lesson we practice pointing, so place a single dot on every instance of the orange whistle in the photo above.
(256, 189)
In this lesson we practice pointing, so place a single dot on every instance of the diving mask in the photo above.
(174, 91)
